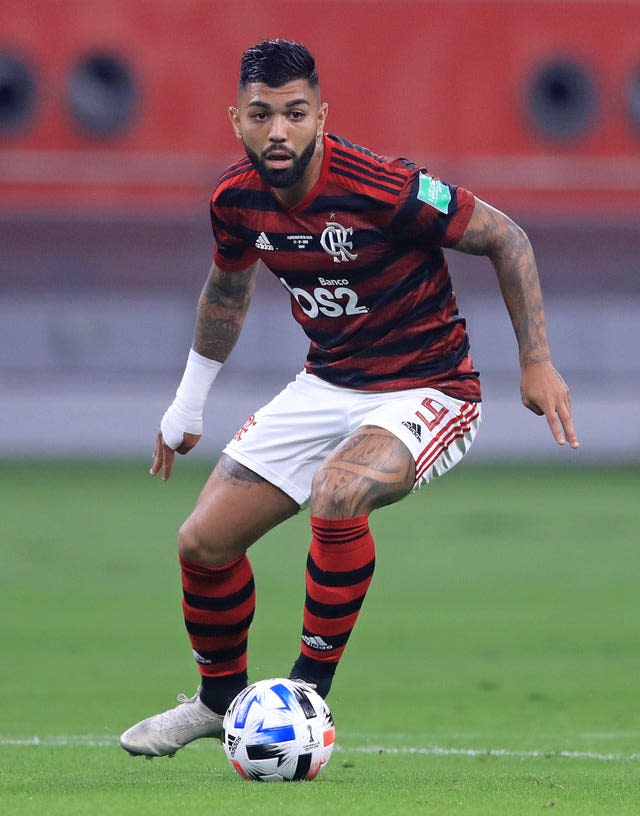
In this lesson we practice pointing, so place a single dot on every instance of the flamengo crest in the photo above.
(334, 240)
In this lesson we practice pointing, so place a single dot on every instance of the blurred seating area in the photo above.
(113, 129)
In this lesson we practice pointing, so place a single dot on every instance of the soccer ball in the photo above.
(278, 731)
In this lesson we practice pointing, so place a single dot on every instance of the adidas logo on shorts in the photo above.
(262, 242)
(415, 429)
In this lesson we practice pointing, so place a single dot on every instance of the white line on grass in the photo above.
(106, 741)
(87, 741)
(435, 750)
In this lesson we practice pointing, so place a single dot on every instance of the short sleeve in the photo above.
(432, 212)
(231, 252)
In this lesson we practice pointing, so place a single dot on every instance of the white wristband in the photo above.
(184, 415)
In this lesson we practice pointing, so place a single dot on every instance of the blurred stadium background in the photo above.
(113, 130)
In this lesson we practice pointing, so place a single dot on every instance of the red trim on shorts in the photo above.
(455, 429)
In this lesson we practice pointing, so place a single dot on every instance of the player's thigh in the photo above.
(235, 508)
(369, 469)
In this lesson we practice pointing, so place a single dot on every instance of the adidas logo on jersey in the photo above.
(415, 429)
(262, 242)
(316, 642)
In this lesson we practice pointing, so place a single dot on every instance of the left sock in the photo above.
(339, 571)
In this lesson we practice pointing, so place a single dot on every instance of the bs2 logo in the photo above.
(342, 301)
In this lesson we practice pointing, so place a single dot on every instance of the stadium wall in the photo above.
(113, 130)
(123, 103)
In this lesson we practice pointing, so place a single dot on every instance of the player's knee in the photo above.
(334, 496)
(194, 544)
(198, 542)
(190, 544)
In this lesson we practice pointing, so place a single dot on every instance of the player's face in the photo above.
(281, 129)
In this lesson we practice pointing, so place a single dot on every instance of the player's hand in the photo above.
(163, 455)
(545, 393)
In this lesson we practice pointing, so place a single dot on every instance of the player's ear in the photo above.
(322, 118)
(235, 121)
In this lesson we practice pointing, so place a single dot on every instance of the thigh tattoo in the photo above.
(231, 471)
(368, 470)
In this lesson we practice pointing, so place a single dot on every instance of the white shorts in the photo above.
(287, 439)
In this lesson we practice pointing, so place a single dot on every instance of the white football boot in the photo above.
(164, 734)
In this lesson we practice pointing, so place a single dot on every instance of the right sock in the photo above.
(218, 605)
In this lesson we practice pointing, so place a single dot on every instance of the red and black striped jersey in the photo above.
(361, 257)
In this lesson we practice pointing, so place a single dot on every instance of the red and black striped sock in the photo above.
(340, 567)
(218, 605)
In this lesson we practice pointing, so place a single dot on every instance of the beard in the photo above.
(288, 176)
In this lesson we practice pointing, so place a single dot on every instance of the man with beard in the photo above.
(388, 400)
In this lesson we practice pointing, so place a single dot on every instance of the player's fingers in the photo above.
(556, 427)
(567, 423)
(156, 462)
(168, 456)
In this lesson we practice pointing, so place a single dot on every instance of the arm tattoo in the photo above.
(492, 233)
(221, 311)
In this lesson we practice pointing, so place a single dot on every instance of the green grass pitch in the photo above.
(495, 669)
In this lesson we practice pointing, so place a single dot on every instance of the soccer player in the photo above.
(388, 400)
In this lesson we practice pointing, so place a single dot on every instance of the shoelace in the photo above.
(189, 716)
(183, 698)
(312, 686)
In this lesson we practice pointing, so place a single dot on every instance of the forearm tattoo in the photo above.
(221, 311)
(492, 233)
